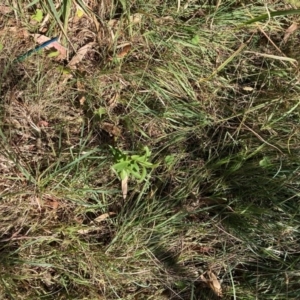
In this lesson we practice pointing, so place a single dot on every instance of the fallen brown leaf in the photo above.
(80, 55)
(39, 38)
(104, 216)
(136, 18)
(43, 25)
(82, 100)
(90, 229)
(112, 102)
(80, 85)
(5, 9)
(42, 123)
(53, 204)
(213, 282)
(125, 50)
(38, 202)
(164, 20)
(113, 23)
(112, 129)
(289, 31)
(19, 32)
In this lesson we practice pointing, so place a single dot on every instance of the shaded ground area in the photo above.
(210, 212)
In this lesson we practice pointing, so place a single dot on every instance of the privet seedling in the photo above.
(135, 166)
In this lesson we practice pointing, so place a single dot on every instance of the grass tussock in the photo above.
(212, 212)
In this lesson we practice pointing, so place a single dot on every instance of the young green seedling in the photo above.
(134, 166)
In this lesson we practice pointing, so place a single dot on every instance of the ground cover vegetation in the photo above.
(157, 158)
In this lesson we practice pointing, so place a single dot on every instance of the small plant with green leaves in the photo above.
(135, 166)
(38, 16)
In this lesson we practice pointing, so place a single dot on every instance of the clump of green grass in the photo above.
(221, 121)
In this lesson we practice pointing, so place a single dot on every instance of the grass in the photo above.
(208, 92)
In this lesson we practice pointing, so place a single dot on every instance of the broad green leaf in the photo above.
(53, 54)
(144, 174)
(136, 175)
(169, 159)
(64, 70)
(100, 111)
(139, 158)
(38, 16)
(135, 167)
(123, 174)
(118, 155)
(123, 2)
(147, 164)
(265, 162)
(195, 40)
(83, 6)
(148, 152)
(1, 46)
(79, 13)
(120, 166)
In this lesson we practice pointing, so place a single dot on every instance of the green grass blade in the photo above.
(272, 15)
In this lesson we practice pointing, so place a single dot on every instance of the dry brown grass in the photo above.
(221, 204)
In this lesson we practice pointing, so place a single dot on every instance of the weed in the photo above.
(134, 165)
